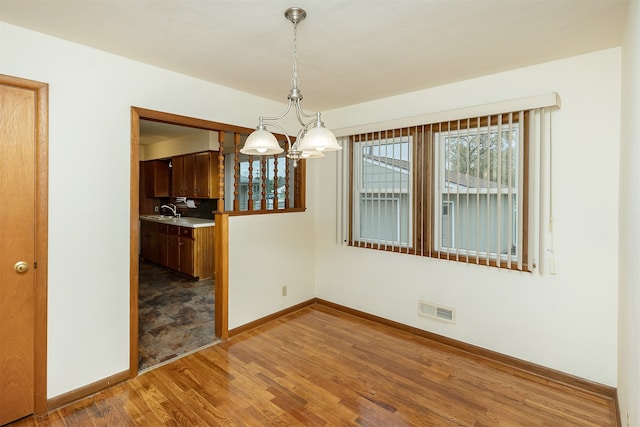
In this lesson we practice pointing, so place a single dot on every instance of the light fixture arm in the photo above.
(300, 113)
(262, 118)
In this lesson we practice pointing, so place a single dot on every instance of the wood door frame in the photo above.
(41, 91)
(221, 282)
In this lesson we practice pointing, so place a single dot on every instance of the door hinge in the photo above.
(35, 264)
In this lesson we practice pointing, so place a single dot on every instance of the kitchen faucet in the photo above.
(172, 208)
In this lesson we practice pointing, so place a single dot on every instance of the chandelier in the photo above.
(313, 138)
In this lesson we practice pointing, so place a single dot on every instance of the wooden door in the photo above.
(163, 247)
(190, 175)
(178, 185)
(202, 175)
(20, 297)
(156, 179)
(207, 175)
(186, 251)
(173, 250)
(149, 240)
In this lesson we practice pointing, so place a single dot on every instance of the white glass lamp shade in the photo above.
(261, 143)
(319, 138)
(309, 154)
(312, 154)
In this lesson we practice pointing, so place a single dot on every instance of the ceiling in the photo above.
(152, 132)
(349, 51)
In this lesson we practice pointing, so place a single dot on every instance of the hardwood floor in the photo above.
(320, 366)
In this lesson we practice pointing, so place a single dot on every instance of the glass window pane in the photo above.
(380, 219)
(478, 190)
(383, 187)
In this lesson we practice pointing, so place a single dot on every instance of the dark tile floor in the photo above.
(175, 314)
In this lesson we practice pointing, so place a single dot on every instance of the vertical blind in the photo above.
(473, 189)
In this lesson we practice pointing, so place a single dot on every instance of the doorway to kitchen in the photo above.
(172, 313)
(175, 312)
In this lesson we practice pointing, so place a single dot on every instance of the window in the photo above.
(383, 206)
(476, 181)
(457, 190)
(260, 184)
(254, 179)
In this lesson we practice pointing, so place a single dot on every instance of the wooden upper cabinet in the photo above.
(178, 181)
(206, 177)
(195, 175)
(156, 178)
(190, 176)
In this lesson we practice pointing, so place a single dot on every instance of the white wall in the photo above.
(566, 321)
(267, 252)
(90, 96)
(629, 320)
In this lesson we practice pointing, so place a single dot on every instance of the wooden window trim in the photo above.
(423, 214)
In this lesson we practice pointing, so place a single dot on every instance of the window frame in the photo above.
(255, 164)
(422, 191)
(440, 190)
(356, 187)
(294, 179)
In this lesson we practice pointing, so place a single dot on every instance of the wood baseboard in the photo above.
(273, 316)
(531, 368)
(88, 390)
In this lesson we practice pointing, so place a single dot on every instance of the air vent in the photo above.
(436, 311)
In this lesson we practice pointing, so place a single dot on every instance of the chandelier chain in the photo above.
(294, 82)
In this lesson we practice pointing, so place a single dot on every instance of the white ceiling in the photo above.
(152, 132)
(349, 51)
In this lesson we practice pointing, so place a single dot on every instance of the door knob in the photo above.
(21, 267)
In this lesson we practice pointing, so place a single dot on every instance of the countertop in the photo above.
(183, 221)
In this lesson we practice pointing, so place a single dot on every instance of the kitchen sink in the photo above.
(161, 217)
(179, 220)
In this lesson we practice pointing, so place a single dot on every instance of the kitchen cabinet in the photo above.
(206, 175)
(149, 240)
(185, 249)
(156, 178)
(173, 249)
(178, 181)
(162, 244)
(195, 175)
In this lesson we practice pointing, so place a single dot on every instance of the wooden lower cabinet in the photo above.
(184, 249)
(161, 249)
(173, 252)
(149, 240)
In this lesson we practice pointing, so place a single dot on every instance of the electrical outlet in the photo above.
(628, 419)
(284, 291)
(156, 209)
